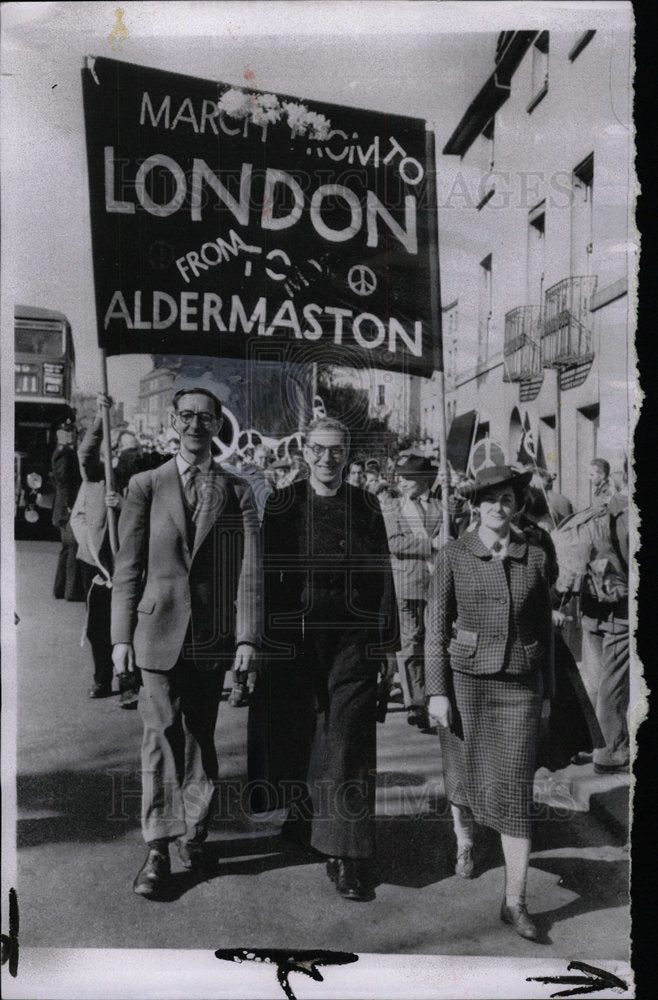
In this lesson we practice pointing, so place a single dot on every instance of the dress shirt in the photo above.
(184, 467)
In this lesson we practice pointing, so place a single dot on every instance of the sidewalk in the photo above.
(411, 783)
(80, 844)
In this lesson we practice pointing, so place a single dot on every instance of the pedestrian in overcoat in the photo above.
(487, 668)
(67, 479)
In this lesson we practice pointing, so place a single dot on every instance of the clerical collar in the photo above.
(321, 490)
(183, 466)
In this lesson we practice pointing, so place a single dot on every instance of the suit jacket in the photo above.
(478, 622)
(410, 545)
(67, 479)
(364, 587)
(165, 593)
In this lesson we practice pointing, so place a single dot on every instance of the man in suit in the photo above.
(67, 479)
(330, 612)
(186, 597)
(413, 524)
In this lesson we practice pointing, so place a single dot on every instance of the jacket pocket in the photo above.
(461, 650)
(146, 606)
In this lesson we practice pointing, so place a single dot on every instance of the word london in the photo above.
(206, 312)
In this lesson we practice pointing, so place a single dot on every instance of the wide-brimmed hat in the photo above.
(493, 477)
(415, 467)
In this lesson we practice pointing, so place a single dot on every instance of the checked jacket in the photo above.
(487, 615)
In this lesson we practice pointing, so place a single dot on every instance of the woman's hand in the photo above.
(113, 499)
(440, 709)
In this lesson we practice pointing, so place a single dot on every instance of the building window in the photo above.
(582, 218)
(539, 70)
(582, 39)
(536, 254)
(487, 185)
(381, 395)
(484, 307)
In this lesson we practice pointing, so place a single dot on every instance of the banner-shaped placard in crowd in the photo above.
(226, 222)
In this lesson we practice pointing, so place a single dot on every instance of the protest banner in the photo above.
(226, 221)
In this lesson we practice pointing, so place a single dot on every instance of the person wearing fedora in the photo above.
(488, 665)
(413, 525)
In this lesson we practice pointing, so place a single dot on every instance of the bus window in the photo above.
(43, 342)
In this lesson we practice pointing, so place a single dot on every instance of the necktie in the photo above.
(497, 548)
(422, 510)
(191, 493)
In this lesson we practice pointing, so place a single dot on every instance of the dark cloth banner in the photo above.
(284, 231)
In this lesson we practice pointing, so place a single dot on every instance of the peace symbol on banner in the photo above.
(485, 453)
(362, 280)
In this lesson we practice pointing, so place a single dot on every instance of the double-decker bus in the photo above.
(44, 363)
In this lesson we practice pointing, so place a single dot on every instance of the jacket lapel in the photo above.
(172, 493)
(211, 487)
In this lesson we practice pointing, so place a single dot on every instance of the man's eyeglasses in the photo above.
(336, 452)
(187, 416)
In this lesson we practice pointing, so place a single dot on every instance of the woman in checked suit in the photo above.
(487, 668)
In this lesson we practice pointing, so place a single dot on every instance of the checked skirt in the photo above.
(489, 755)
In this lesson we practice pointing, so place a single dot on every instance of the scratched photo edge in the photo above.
(10, 721)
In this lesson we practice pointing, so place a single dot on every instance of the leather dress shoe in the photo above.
(99, 690)
(349, 876)
(191, 855)
(517, 915)
(153, 878)
(418, 716)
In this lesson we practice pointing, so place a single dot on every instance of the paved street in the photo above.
(80, 844)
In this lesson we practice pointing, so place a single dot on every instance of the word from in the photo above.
(215, 252)
(195, 312)
(204, 178)
(287, 962)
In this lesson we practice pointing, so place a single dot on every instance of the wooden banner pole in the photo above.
(107, 457)
(435, 293)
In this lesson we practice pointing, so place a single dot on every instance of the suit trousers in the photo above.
(98, 625)
(68, 578)
(610, 694)
(411, 655)
(179, 760)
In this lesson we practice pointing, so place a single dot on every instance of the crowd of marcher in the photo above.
(320, 580)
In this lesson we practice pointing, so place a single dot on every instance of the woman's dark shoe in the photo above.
(517, 915)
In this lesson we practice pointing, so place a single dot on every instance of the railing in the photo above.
(566, 337)
(522, 350)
